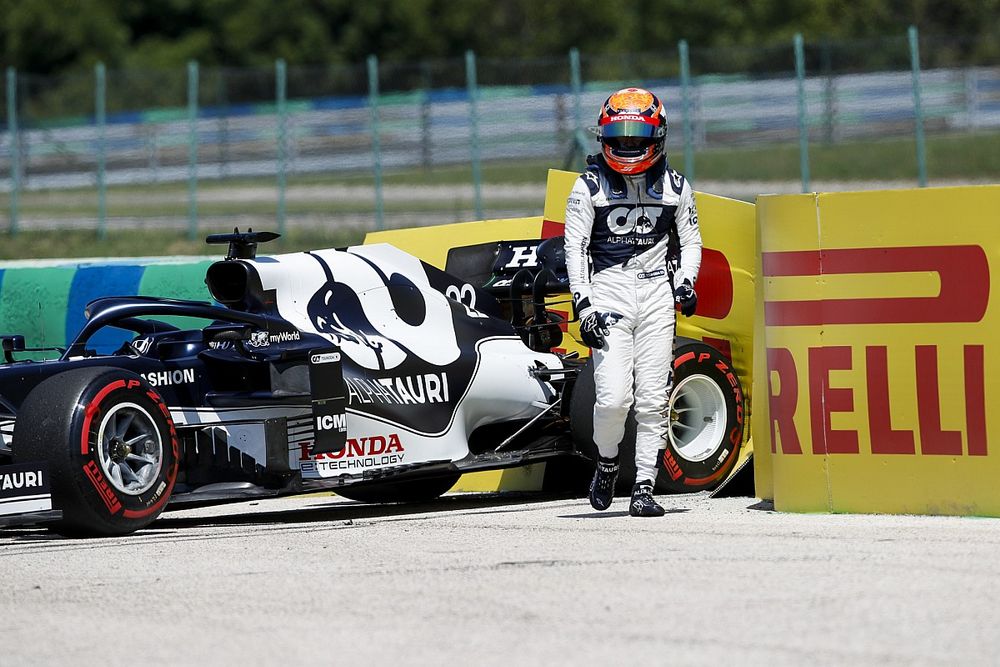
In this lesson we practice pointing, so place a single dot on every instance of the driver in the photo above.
(633, 250)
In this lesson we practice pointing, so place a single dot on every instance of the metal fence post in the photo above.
(682, 52)
(972, 99)
(222, 100)
(800, 75)
(425, 114)
(15, 148)
(576, 82)
(281, 86)
(829, 91)
(376, 142)
(918, 113)
(473, 91)
(100, 90)
(577, 86)
(192, 100)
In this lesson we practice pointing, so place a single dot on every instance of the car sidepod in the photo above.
(424, 361)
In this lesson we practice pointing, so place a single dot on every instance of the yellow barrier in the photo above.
(431, 244)
(874, 330)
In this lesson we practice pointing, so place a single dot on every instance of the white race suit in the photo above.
(629, 239)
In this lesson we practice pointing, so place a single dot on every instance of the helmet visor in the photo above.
(629, 146)
(629, 128)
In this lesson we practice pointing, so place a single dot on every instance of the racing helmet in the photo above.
(632, 129)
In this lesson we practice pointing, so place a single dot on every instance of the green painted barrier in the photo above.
(45, 301)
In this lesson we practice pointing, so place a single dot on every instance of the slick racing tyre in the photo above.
(110, 445)
(409, 491)
(706, 423)
(706, 420)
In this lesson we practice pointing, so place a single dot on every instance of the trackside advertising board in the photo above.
(878, 331)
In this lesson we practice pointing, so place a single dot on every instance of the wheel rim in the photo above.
(698, 417)
(130, 448)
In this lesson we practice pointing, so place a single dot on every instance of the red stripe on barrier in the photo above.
(975, 400)
(884, 438)
(714, 285)
(552, 228)
(722, 345)
(933, 438)
(963, 271)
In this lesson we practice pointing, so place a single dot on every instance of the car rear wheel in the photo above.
(110, 445)
(706, 422)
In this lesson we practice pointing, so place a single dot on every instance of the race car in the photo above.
(361, 370)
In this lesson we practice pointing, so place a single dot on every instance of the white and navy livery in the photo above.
(361, 369)
(629, 240)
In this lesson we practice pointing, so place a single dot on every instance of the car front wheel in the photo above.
(110, 445)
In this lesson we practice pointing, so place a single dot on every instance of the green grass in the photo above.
(147, 243)
(954, 156)
(171, 199)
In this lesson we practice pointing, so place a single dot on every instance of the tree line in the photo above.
(57, 36)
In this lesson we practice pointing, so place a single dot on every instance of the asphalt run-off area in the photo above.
(505, 580)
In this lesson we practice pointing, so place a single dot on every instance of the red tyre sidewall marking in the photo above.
(92, 410)
(106, 493)
(683, 359)
(93, 471)
(668, 460)
(671, 466)
(90, 468)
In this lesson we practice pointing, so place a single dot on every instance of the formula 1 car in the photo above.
(362, 370)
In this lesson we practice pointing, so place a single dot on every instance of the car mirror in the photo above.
(232, 333)
(12, 344)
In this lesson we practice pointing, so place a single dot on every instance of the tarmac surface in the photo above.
(505, 580)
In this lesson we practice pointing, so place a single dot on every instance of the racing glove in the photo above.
(686, 298)
(595, 326)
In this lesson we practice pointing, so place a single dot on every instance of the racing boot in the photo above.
(643, 503)
(602, 487)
